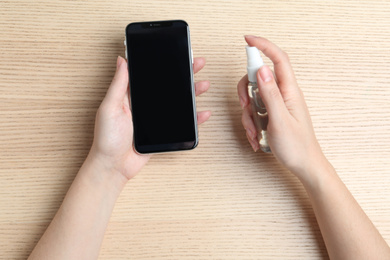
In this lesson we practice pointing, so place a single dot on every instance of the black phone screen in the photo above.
(161, 86)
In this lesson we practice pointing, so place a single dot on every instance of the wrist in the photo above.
(317, 173)
(102, 173)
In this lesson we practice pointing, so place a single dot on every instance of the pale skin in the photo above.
(347, 231)
(78, 228)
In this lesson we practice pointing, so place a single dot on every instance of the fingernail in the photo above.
(265, 74)
(254, 146)
(251, 141)
(242, 102)
(251, 134)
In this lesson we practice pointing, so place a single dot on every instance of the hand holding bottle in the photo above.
(290, 131)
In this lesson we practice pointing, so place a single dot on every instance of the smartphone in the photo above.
(161, 82)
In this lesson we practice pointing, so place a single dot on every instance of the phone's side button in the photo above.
(192, 56)
(126, 54)
(124, 42)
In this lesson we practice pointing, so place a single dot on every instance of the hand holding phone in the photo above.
(113, 138)
(162, 91)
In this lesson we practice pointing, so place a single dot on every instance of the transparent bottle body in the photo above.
(259, 115)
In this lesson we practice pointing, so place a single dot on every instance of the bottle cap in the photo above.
(255, 62)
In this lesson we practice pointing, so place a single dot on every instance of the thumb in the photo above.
(270, 93)
(117, 90)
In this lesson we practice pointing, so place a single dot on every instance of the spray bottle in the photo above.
(259, 112)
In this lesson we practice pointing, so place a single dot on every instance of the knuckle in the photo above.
(273, 92)
(285, 56)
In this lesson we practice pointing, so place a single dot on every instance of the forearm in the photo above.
(347, 231)
(77, 229)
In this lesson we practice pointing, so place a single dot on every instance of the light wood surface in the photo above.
(220, 201)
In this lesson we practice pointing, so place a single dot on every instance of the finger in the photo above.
(255, 145)
(203, 116)
(249, 125)
(126, 103)
(283, 70)
(118, 88)
(201, 87)
(270, 94)
(242, 89)
(198, 64)
(126, 100)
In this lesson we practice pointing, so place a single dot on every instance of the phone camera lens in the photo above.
(151, 24)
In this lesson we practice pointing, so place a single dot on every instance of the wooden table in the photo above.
(222, 200)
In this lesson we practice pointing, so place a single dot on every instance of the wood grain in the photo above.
(220, 201)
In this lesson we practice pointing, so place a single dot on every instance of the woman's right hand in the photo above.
(292, 140)
(290, 132)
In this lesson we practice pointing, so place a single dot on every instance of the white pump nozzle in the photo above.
(255, 62)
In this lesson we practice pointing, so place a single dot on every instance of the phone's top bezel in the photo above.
(155, 24)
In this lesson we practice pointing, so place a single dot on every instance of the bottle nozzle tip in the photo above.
(254, 58)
